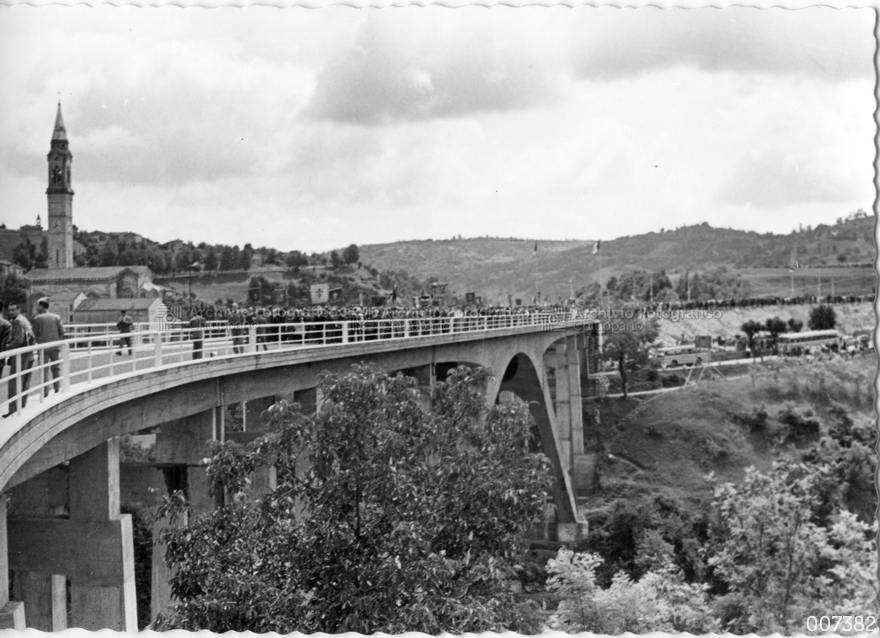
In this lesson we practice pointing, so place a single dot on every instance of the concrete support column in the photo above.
(101, 600)
(11, 613)
(562, 406)
(44, 595)
(256, 422)
(308, 399)
(575, 403)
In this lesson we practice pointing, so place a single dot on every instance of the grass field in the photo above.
(669, 442)
(769, 282)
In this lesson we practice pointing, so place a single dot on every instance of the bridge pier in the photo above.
(11, 612)
(568, 358)
(93, 547)
(100, 601)
(44, 595)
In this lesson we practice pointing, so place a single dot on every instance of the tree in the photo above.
(351, 255)
(779, 564)
(775, 326)
(211, 260)
(24, 255)
(822, 317)
(295, 259)
(387, 516)
(13, 289)
(750, 328)
(227, 258)
(246, 257)
(630, 349)
(335, 260)
(795, 325)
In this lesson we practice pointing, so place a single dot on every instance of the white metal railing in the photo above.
(90, 355)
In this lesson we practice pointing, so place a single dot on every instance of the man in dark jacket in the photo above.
(20, 336)
(5, 331)
(47, 329)
(124, 325)
(197, 333)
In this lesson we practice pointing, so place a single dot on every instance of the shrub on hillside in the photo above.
(797, 428)
(755, 422)
(661, 600)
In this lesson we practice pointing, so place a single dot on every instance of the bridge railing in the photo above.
(37, 371)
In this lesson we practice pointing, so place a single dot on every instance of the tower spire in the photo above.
(60, 133)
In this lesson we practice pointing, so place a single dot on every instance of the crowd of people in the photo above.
(326, 324)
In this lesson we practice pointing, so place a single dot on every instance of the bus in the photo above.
(675, 356)
(792, 343)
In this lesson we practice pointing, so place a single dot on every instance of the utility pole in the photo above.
(652, 287)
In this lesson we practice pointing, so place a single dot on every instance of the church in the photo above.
(66, 285)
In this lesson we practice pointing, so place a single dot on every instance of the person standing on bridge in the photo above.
(236, 328)
(5, 331)
(20, 335)
(124, 325)
(48, 328)
(197, 324)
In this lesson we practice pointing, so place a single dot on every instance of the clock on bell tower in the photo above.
(60, 195)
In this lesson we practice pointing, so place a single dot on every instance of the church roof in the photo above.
(60, 133)
(100, 273)
(135, 303)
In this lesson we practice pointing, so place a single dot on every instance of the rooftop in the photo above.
(81, 274)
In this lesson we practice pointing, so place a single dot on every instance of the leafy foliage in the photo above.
(13, 289)
(387, 516)
(660, 601)
(630, 348)
(822, 318)
(779, 561)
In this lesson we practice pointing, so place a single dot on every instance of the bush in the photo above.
(798, 428)
(660, 601)
(755, 422)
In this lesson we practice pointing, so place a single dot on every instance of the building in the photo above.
(142, 311)
(8, 268)
(62, 304)
(115, 282)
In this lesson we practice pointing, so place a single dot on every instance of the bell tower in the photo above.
(60, 194)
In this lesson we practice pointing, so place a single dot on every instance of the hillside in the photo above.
(667, 443)
(495, 268)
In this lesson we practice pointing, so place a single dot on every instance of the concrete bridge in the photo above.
(62, 534)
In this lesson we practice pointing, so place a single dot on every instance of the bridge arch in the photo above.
(526, 378)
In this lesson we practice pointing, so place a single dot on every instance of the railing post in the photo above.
(65, 367)
(252, 338)
(157, 350)
(345, 331)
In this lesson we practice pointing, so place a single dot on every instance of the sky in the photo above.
(309, 130)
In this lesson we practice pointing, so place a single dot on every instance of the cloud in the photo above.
(159, 112)
(422, 70)
(775, 179)
(823, 43)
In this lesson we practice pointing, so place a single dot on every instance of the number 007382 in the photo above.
(835, 624)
